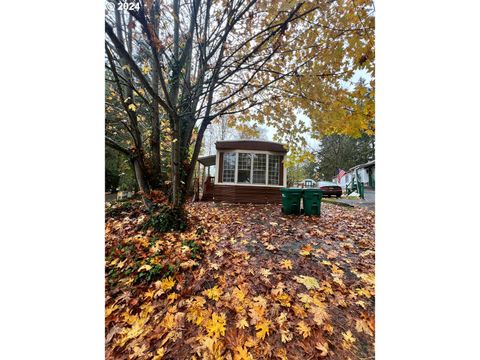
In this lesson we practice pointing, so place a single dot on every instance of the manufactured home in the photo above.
(246, 171)
(365, 172)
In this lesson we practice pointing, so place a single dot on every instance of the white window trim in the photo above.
(223, 169)
(266, 171)
(284, 173)
(236, 168)
(251, 169)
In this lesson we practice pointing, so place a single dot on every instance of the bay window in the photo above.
(250, 168)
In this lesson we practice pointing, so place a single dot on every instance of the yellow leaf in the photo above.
(168, 321)
(159, 354)
(110, 310)
(285, 335)
(263, 328)
(305, 298)
(167, 283)
(216, 325)
(364, 292)
(136, 330)
(241, 353)
(303, 329)
(145, 267)
(282, 318)
(172, 297)
(308, 281)
(348, 339)
(196, 313)
(242, 323)
(213, 293)
(328, 328)
(138, 351)
(299, 311)
(265, 272)
(319, 313)
(306, 250)
(361, 303)
(286, 264)
(282, 354)
(239, 293)
(283, 299)
(323, 348)
(132, 107)
(256, 312)
(362, 326)
(149, 294)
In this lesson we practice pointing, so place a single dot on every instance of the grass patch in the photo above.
(335, 202)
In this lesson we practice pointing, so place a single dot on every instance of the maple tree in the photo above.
(174, 67)
(241, 282)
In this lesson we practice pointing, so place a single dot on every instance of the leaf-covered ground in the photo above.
(243, 282)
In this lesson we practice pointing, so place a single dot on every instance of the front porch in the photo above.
(204, 182)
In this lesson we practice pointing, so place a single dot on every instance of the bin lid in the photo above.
(291, 190)
(313, 192)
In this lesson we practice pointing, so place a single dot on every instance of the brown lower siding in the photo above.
(246, 194)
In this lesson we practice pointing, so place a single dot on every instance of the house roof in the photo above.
(207, 160)
(250, 145)
(366, 165)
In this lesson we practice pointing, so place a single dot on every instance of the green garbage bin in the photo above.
(291, 200)
(312, 199)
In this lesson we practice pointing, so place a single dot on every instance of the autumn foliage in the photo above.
(242, 282)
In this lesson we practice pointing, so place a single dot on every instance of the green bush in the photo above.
(194, 248)
(166, 219)
(155, 273)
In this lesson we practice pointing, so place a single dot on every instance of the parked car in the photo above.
(329, 188)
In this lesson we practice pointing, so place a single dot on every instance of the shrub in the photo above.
(166, 219)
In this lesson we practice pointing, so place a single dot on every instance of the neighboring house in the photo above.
(249, 171)
(366, 175)
(307, 183)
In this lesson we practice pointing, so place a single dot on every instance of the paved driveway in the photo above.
(368, 202)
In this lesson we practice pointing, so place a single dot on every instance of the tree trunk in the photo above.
(196, 152)
(176, 165)
(156, 166)
(142, 182)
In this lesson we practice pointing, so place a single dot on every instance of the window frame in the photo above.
(266, 169)
(250, 159)
(281, 174)
(234, 168)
